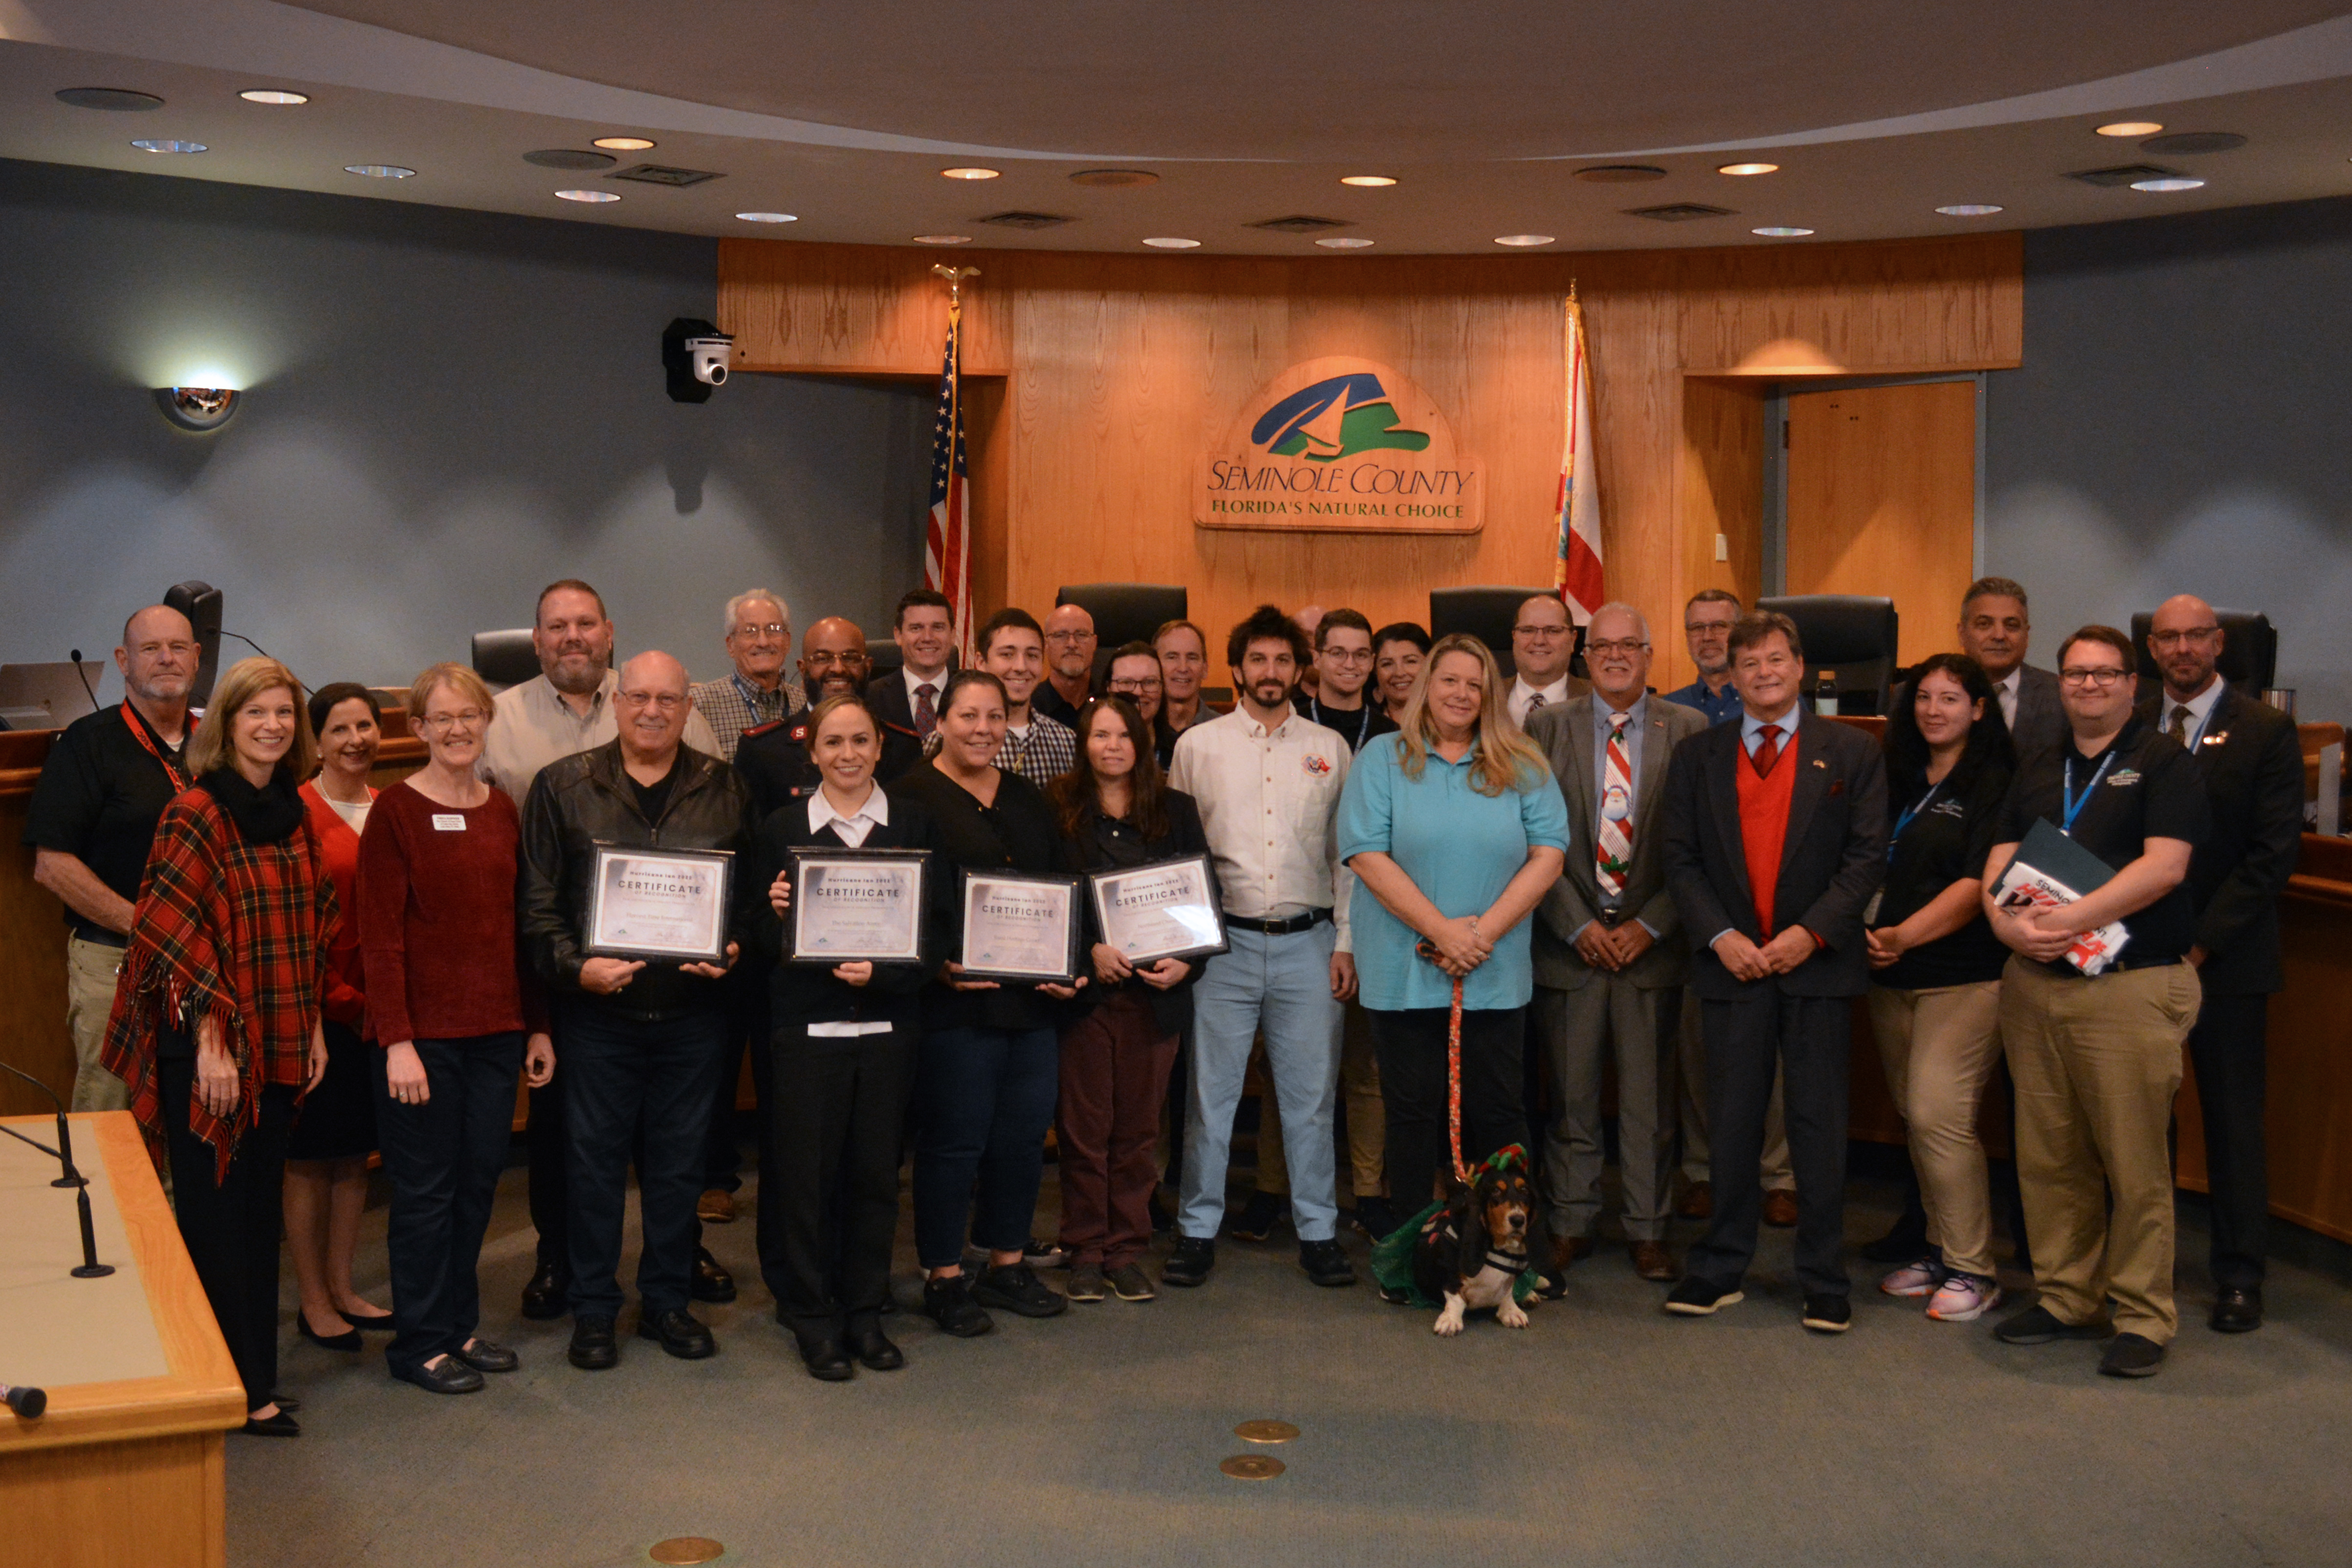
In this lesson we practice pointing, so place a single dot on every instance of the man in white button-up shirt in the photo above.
(1267, 781)
(1543, 642)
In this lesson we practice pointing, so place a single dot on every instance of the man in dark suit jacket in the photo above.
(1775, 840)
(907, 701)
(1994, 632)
(1609, 952)
(2252, 765)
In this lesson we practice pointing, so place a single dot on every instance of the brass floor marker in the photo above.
(686, 1549)
(1265, 1431)
(1253, 1467)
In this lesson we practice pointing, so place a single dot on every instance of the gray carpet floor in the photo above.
(1606, 1433)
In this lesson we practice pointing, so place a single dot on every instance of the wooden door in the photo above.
(1882, 501)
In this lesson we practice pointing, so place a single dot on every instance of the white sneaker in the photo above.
(1913, 1278)
(1963, 1298)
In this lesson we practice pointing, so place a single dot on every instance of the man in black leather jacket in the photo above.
(640, 1040)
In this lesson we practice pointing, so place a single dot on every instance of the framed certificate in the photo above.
(857, 905)
(660, 904)
(1168, 909)
(1021, 926)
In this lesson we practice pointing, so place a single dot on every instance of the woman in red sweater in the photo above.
(456, 1017)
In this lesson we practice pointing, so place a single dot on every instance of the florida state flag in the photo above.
(1576, 572)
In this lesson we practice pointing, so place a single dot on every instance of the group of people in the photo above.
(280, 968)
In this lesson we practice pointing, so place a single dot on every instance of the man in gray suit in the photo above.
(1608, 951)
(1994, 631)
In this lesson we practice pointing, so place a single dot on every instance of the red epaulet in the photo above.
(763, 729)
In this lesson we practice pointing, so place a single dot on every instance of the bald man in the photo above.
(2251, 762)
(774, 758)
(1070, 645)
(639, 1032)
(92, 819)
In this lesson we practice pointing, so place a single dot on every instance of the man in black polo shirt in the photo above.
(2096, 1059)
(92, 819)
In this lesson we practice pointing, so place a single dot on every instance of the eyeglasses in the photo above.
(1525, 630)
(825, 659)
(1069, 636)
(1705, 628)
(1346, 654)
(1146, 684)
(1626, 646)
(2081, 676)
(667, 701)
(472, 717)
(753, 630)
(2183, 637)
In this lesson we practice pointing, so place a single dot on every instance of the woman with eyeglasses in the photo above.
(456, 1016)
(1134, 673)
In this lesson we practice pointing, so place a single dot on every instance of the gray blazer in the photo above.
(2041, 723)
(1565, 733)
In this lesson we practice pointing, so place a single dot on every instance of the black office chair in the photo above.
(1852, 636)
(1126, 612)
(505, 658)
(889, 659)
(2249, 658)
(1488, 612)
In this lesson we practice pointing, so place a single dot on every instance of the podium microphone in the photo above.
(27, 1403)
(91, 1268)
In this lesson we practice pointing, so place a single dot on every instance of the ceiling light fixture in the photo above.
(276, 96)
(380, 171)
(1969, 209)
(198, 408)
(1114, 179)
(1523, 239)
(624, 143)
(968, 174)
(1780, 231)
(1369, 180)
(147, 145)
(1343, 242)
(943, 239)
(1171, 243)
(2169, 183)
(769, 217)
(598, 198)
(2131, 128)
(1748, 169)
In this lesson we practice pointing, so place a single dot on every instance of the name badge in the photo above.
(449, 822)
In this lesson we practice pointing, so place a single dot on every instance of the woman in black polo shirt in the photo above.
(1934, 995)
(2096, 1059)
(987, 1068)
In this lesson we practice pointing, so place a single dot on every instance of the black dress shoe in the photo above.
(681, 1333)
(1191, 1262)
(348, 1339)
(826, 1359)
(709, 1282)
(486, 1355)
(371, 1322)
(1326, 1262)
(2237, 1310)
(452, 1376)
(947, 1302)
(872, 1347)
(593, 1347)
(548, 1293)
(279, 1425)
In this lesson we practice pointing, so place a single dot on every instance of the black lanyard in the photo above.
(1364, 722)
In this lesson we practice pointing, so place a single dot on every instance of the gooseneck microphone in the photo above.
(75, 654)
(27, 1403)
(90, 1268)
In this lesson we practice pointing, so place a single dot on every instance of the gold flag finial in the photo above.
(955, 277)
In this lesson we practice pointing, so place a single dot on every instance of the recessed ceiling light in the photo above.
(1780, 231)
(1748, 169)
(769, 217)
(274, 96)
(943, 239)
(597, 196)
(1343, 242)
(968, 174)
(1621, 173)
(1969, 209)
(380, 171)
(623, 144)
(146, 145)
(1114, 179)
(120, 100)
(1373, 179)
(1171, 243)
(2131, 128)
(2169, 183)
(1523, 239)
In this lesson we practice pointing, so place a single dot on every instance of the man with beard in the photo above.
(92, 819)
(774, 758)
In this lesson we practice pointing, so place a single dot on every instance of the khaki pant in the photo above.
(1360, 1083)
(1778, 1175)
(90, 970)
(2096, 1063)
(1940, 1046)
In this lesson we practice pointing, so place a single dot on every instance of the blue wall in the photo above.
(2183, 423)
(446, 410)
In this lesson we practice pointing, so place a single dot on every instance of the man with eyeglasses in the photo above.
(1609, 952)
(2096, 1059)
(1069, 664)
(774, 758)
(641, 1040)
(2251, 762)
(1543, 641)
(1707, 631)
(92, 819)
(759, 640)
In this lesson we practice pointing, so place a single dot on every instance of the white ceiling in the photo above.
(843, 115)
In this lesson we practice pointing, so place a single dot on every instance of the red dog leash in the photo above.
(1454, 1080)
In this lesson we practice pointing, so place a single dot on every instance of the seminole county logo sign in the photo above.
(1341, 444)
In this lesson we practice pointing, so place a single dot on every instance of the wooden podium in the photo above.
(125, 1469)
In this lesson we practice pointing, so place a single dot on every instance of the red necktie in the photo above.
(927, 717)
(1767, 751)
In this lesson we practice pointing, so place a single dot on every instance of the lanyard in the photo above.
(1363, 721)
(2075, 803)
(1904, 820)
(138, 733)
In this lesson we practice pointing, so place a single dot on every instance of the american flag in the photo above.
(947, 543)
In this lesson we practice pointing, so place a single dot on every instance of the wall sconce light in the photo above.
(198, 408)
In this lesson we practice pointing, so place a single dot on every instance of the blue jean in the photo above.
(443, 1158)
(1282, 985)
(983, 1099)
(629, 1077)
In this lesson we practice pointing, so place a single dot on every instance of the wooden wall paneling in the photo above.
(1722, 473)
(860, 308)
(33, 1033)
(990, 457)
(1887, 307)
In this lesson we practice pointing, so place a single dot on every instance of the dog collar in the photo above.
(1507, 1262)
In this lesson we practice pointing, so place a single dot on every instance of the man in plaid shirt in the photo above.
(759, 635)
(1012, 650)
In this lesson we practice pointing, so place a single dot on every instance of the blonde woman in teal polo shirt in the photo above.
(1455, 829)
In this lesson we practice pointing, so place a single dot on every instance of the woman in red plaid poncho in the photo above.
(217, 1024)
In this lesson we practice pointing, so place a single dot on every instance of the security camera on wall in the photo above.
(694, 356)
